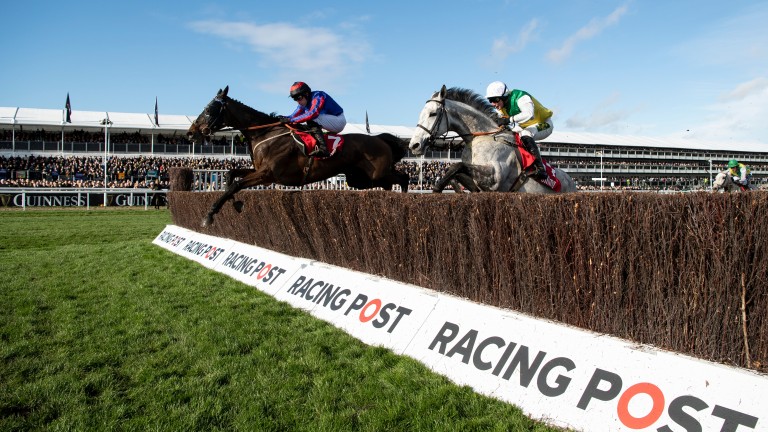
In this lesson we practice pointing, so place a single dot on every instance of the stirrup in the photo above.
(537, 173)
(316, 152)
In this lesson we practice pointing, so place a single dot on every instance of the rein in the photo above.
(269, 139)
(264, 126)
(500, 129)
(291, 129)
(443, 112)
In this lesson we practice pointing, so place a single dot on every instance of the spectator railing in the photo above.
(215, 180)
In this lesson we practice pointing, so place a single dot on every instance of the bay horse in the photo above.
(367, 161)
(489, 161)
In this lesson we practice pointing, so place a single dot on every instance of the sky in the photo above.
(694, 69)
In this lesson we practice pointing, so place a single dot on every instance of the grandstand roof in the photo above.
(144, 122)
(54, 118)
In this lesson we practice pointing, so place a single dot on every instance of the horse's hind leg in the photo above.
(228, 194)
(238, 173)
(235, 174)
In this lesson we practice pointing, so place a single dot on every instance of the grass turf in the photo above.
(101, 330)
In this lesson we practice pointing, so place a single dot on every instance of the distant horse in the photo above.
(367, 161)
(491, 159)
(724, 182)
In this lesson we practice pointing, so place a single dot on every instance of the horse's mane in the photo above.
(260, 117)
(472, 99)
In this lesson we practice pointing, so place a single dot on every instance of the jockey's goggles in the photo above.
(494, 99)
(297, 97)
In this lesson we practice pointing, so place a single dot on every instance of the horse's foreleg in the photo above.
(448, 176)
(232, 187)
(468, 182)
(401, 179)
(253, 178)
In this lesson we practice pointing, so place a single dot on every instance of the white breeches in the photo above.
(534, 131)
(332, 123)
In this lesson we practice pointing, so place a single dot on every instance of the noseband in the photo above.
(440, 113)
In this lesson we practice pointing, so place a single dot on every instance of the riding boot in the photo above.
(316, 131)
(539, 173)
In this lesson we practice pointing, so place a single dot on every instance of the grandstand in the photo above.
(595, 161)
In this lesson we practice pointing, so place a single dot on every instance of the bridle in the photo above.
(211, 120)
(442, 111)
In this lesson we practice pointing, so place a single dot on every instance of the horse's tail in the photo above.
(399, 146)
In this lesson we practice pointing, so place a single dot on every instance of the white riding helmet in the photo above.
(496, 89)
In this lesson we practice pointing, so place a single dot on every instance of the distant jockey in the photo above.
(318, 110)
(522, 113)
(741, 173)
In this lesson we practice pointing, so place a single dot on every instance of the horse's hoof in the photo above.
(437, 191)
(208, 221)
(238, 206)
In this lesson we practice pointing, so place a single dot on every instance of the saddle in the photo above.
(526, 162)
(307, 142)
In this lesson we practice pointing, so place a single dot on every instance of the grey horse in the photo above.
(724, 182)
(490, 160)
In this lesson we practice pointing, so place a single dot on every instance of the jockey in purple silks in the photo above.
(318, 110)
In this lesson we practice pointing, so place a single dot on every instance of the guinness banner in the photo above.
(43, 198)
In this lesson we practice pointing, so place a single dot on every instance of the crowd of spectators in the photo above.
(142, 171)
(427, 176)
(88, 171)
(47, 171)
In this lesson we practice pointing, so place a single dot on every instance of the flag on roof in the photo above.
(367, 126)
(157, 122)
(68, 109)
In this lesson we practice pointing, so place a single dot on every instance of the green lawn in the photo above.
(101, 330)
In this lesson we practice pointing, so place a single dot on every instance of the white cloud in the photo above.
(288, 51)
(606, 117)
(728, 63)
(746, 90)
(594, 28)
(738, 116)
(502, 48)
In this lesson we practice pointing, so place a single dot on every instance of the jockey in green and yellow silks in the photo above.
(522, 113)
(741, 173)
